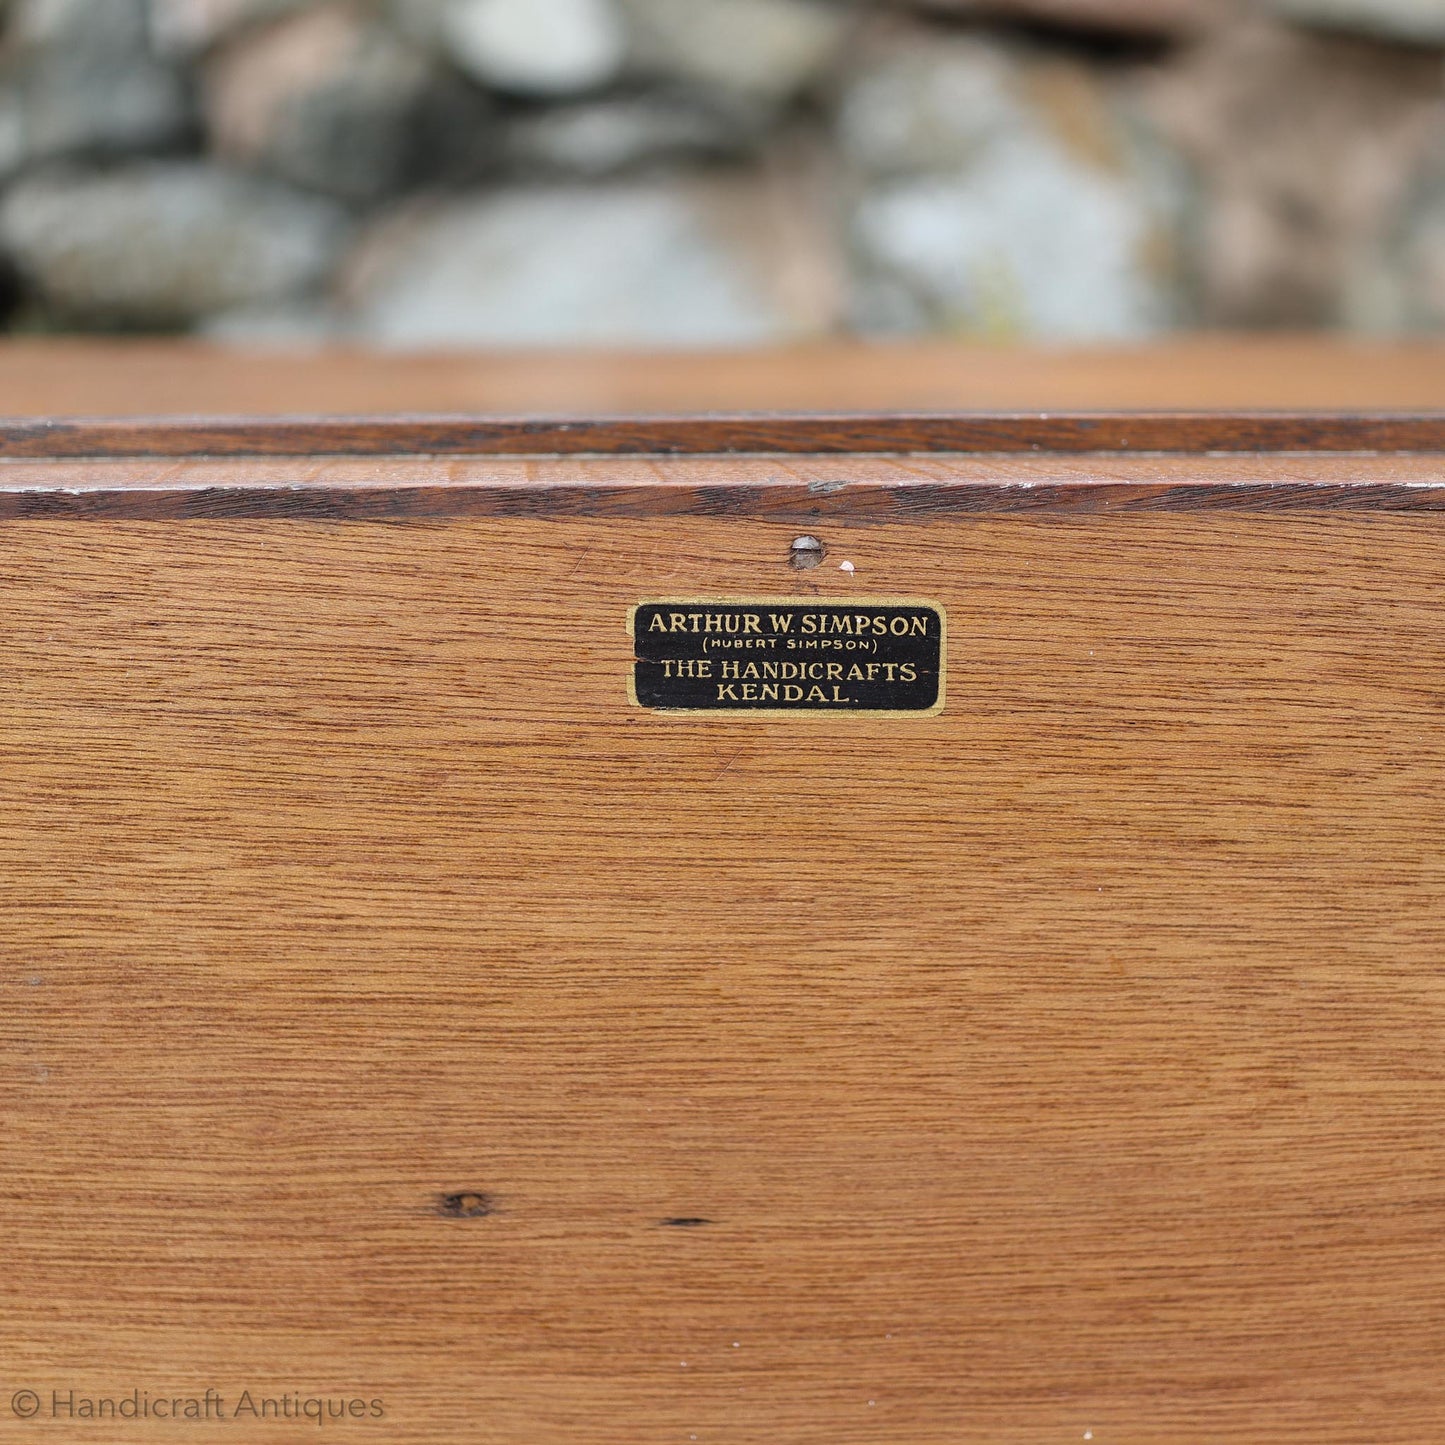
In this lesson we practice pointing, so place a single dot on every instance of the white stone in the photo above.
(914, 107)
(768, 48)
(537, 47)
(596, 138)
(285, 326)
(1025, 243)
(1006, 190)
(641, 264)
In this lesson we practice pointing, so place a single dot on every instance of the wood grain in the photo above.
(390, 1011)
(79, 378)
(1185, 432)
(794, 489)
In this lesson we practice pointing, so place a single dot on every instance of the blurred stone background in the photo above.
(430, 173)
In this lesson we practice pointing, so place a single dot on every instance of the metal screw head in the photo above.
(806, 553)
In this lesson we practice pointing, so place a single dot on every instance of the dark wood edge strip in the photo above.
(795, 505)
(658, 436)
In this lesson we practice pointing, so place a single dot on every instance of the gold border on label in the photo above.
(795, 712)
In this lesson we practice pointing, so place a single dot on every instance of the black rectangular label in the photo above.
(790, 656)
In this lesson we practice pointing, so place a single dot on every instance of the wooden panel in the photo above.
(795, 489)
(1194, 433)
(149, 377)
(130, 378)
(1067, 1066)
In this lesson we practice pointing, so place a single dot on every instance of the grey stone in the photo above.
(1123, 17)
(12, 133)
(769, 49)
(187, 28)
(103, 25)
(77, 101)
(602, 137)
(1413, 21)
(1005, 192)
(164, 244)
(81, 81)
(639, 264)
(335, 102)
(537, 47)
(421, 21)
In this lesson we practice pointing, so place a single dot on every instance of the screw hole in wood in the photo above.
(470, 1204)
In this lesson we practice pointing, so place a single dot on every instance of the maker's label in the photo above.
(789, 656)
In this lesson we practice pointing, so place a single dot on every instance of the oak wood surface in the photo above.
(790, 488)
(391, 1011)
(90, 378)
(771, 433)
